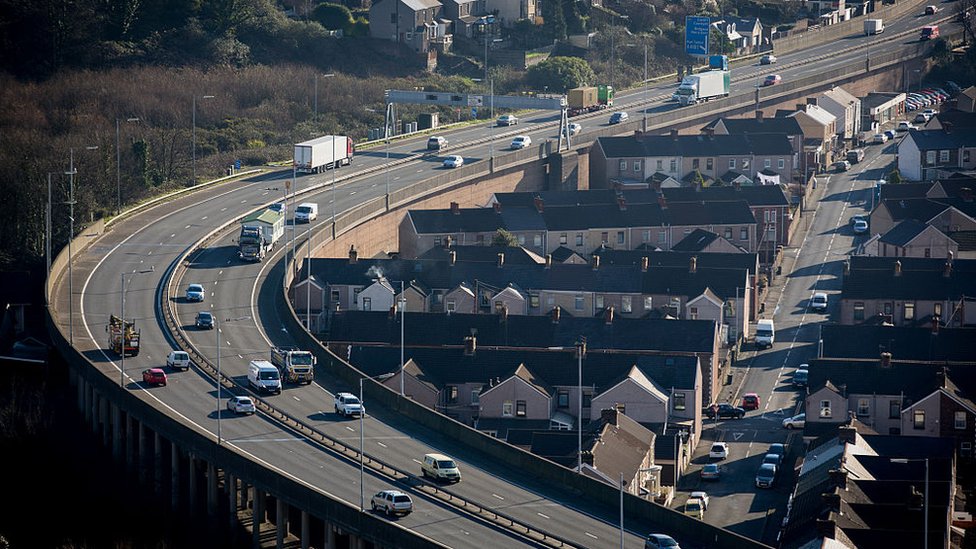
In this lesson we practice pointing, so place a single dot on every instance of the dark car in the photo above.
(205, 320)
(724, 410)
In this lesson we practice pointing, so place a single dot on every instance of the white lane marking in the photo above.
(188, 226)
(591, 535)
(291, 439)
(381, 444)
(541, 515)
(172, 235)
(296, 398)
(497, 496)
(416, 460)
(350, 429)
(204, 218)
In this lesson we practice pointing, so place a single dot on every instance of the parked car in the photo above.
(766, 475)
(391, 502)
(798, 421)
(205, 320)
(842, 166)
(719, 450)
(880, 138)
(860, 227)
(454, 161)
(891, 134)
(750, 401)
(724, 411)
(240, 404)
(660, 541)
(440, 467)
(711, 472)
(195, 292)
(154, 376)
(772, 80)
(920, 118)
(521, 142)
(930, 113)
(775, 459)
(700, 495)
(694, 508)
(508, 120)
(801, 376)
(777, 448)
(618, 117)
(436, 143)
(819, 302)
(767, 59)
(855, 218)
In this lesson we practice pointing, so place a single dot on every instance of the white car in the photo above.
(347, 404)
(904, 126)
(860, 226)
(819, 302)
(508, 120)
(880, 138)
(454, 161)
(521, 142)
(719, 450)
(574, 128)
(795, 422)
(195, 292)
(240, 405)
(391, 502)
(703, 496)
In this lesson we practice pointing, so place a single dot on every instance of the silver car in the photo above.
(240, 405)
(391, 502)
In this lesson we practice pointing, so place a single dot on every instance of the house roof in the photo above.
(905, 190)
(927, 140)
(957, 120)
(753, 125)
(766, 195)
(840, 96)
(876, 99)
(696, 241)
(517, 255)
(672, 258)
(422, 376)
(881, 281)
(903, 232)
(914, 380)
(563, 254)
(649, 146)
(919, 209)
(903, 342)
(818, 114)
(418, 5)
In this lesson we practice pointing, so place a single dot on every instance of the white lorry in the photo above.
(703, 86)
(326, 152)
(873, 26)
(263, 377)
(306, 212)
(296, 366)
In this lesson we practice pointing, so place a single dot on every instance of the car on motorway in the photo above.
(772, 80)
(454, 161)
(440, 467)
(719, 450)
(750, 401)
(436, 143)
(204, 320)
(154, 376)
(660, 541)
(521, 142)
(347, 405)
(178, 360)
(508, 120)
(841, 166)
(724, 411)
(279, 207)
(694, 508)
(195, 292)
(675, 95)
(819, 302)
(766, 475)
(240, 404)
(798, 421)
(767, 59)
(880, 138)
(618, 117)
(574, 128)
(391, 502)
(860, 226)
(711, 472)
(801, 376)
(703, 496)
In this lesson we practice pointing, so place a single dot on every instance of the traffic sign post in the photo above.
(696, 35)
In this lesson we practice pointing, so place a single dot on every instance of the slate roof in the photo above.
(904, 190)
(764, 195)
(485, 254)
(753, 126)
(722, 260)
(919, 209)
(866, 376)
(696, 241)
(563, 254)
(876, 99)
(959, 120)
(927, 140)
(903, 233)
(649, 146)
(903, 342)
(418, 5)
(928, 283)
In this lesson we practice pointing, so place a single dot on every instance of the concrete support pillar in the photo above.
(82, 387)
(88, 400)
(158, 462)
(257, 516)
(143, 452)
(103, 411)
(360, 543)
(230, 485)
(329, 536)
(116, 433)
(245, 495)
(130, 442)
(281, 522)
(94, 411)
(191, 468)
(305, 529)
(211, 489)
(174, 476)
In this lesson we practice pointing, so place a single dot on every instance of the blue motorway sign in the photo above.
(696, 35)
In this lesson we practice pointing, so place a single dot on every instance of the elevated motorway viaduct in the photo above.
(292, 464)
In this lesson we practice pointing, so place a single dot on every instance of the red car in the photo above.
(154, 376)
(750, 401)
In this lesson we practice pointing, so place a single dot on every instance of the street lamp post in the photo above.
(925, 496)
(308, 278)
(71, 218)
(362, 446)
(193, 131)
(580, 351)
(122, 331)
(329, 75)
(219, 384)
(335, 166)
(403, 323)
(118, 162)
(622, 484)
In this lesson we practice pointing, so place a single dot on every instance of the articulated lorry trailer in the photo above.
(259, 233)
(324, 153)
(703, 86)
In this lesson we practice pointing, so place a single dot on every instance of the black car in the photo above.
(205, 320)
(724, 411)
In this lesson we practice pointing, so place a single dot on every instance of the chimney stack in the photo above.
(539, 204)
(455, 208)
(609, 415)
(847, 268)
(935, 324)
(353, 254)
(693, 265)
(966, 194)
(674, 134)
(393, 311)
(596, 263)
(886, 359)
(622, 203)
(759, 116)
(662, 202)
(555, 314)
(838, 477)
(498, 207)
(898, 267)
(452, 257)
(644, 262)
(947, 271)
(812, 101)
(608, 315)
(470, 345)
(737, 185)
(548, 261)
(501, 260)
(503, 313)
(448, 240)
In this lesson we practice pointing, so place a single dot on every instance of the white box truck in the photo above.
(306, 212)
(765, 333)
(326, 152)
(263, 377)
(703, 86)
(873, 26)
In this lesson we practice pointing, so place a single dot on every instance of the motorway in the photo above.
(237, 292)
(735, 503)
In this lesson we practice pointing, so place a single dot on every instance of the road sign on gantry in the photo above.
(696, 35)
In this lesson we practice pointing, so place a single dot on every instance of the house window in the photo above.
(637, 166)
(937, 309)
(587, 398)
(731, 163)
(767, 163)
(537, 240)
(520, 408)
(918, 419)
(451, 394)
(605, 237)
(894, 409)
(620, 237)
(475, 396)
(367, 304)
(708, 164)
(662, 237)
(674, 165)
(959, 420)
(563, 239)
(562, 399)
(334, 297)
(623, 166)
(930, 157)
(909, 311)
(646, 236)
(534, 301)
(355, 295)
(507, 408)
(694, 164)
(598, 302)
(943, 156)
(781, 163)
(728, 233)
(451, 305)
(887, 309)
(648, 303)
(928, 252)
(521, 240)
(660, 165)
(579, 303)
(679, 401)
(858, 310)
(825, 409)
(744, 233)
(625, 304)
(863, 407)
(745, 164)
(579, 239)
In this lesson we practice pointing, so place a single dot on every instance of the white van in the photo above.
(440, 467)
(178, 360)
(263, 377)
(306, 212)
(765, 333)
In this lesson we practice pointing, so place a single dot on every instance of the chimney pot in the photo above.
(539, 204)
(608, 315)
(812, 101)
(503, 313)
(609, 415)
(674, 133)
(622, 203)
(759, 115)
(501, 260)
(644, 262)
(548, 261)
(448, 240)
(470, 345)
(452, 257)
(662, 202)
(935, 324)
(555, 314)
(966, 193)
(898, 268)
(353, 254)
(847, 268)
(886, 360)
(455, 208)
(947, 271)
(802, 107)
(693, 264)
(596, 262)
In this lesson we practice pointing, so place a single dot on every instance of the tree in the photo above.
(561, 73)
(720, 43)
(894, 176)
(333, 16)
(504, 238)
